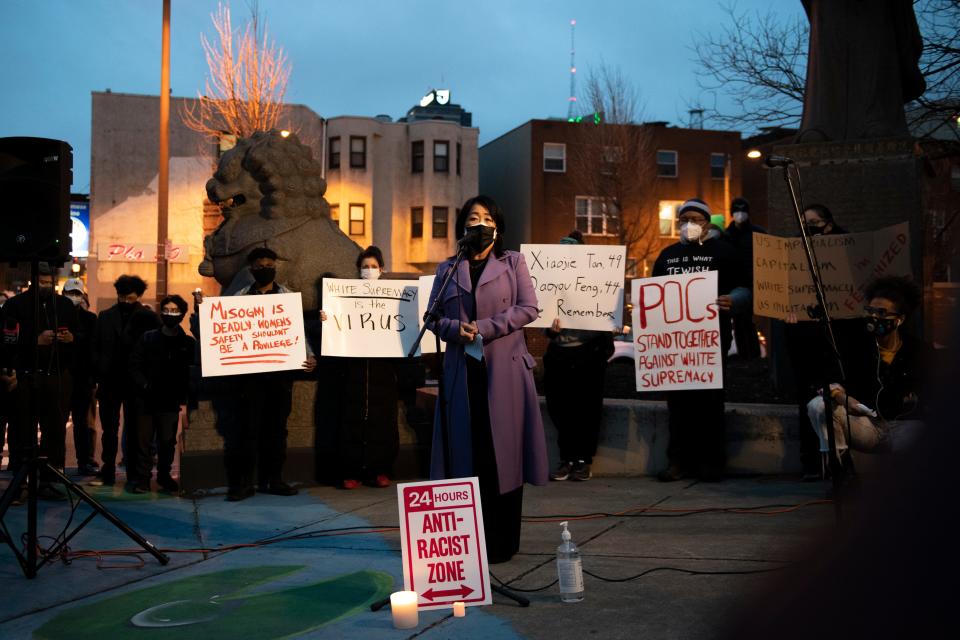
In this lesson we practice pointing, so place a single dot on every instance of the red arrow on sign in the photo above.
(463, 592)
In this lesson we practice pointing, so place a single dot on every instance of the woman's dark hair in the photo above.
(821, 210)
(900, 290)
(125, 285)
(371, 252)
(175, 299)
(576, 235)
(490, 205)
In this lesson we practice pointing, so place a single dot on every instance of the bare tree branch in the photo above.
(245, 88)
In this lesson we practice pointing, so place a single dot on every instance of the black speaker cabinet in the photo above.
(35, 179)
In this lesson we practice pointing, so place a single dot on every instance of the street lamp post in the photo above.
(163, 187)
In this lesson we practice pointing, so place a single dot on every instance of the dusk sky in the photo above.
(506, 61)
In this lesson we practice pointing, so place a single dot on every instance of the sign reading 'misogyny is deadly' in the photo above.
(582, 285)
(442, 543)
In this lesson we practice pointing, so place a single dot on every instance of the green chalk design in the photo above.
(219, 605)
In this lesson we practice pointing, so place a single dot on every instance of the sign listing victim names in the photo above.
(677, 332)
(582, 285)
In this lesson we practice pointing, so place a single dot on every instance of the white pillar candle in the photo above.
(403, 605)
(459, 609)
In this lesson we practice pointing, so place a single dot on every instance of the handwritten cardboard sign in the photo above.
(848, 262)
(129, 252)
(580, 284)
(251, 334)
(370, 318)
(677, 332)
(442, 544)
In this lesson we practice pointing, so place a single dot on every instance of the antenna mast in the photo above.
(572, 100)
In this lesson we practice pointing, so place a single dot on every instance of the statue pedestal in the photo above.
(866, 184)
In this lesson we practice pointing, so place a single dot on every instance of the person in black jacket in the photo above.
(40, 351)
(880, 409)
(118, 330)
(739, 233)
(696, 417)
(159, 368)
(84, 388)
(574, 367)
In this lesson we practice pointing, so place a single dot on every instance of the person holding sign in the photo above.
(358, 438)
(573, 371)
(253, 419)
(492, 415)
(696, 417)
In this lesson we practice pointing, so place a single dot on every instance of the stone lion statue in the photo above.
(270, 192)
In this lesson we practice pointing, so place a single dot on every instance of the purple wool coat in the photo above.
(505, 303)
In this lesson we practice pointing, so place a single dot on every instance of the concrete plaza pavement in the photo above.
(654, 529)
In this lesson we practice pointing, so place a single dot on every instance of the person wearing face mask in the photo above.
(809, 352)
(253, 417)
(493, 419)
(39, 349)
(880, 409)
(739, 233)
(696, 417)
(358, 439)
(117, 332)
(82, 400)
(159, 370)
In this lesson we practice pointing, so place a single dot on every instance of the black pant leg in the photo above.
(83, 433)
(130, 440)
(556, 374)
(710, 440)
(143, 438)
(165, 425)
(109, 407)
(679, 405)
(590, 410)
(51, 404)
(272, 435)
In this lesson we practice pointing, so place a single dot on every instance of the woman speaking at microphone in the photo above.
(492, 413)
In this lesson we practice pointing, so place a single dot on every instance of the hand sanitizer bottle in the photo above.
(569, 569)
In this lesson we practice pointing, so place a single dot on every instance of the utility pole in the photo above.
(163, 187)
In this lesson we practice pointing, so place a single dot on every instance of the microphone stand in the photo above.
(431, 316)
(822, 316)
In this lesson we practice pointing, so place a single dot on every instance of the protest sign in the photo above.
(848, 262)
(580, 284)
(677, 332)
(369, 318)
(442, 544)
(429, 343)
(251, 334)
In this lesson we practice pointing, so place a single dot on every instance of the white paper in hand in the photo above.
(475, 349)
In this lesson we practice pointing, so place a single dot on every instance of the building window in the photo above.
(416, 222)
(667, 164)
(596, 217)
(718, 166)
(554, 157)
(441, 216)
(358, 152)
(335, 153)
(416, 156)
(358, 215)
(441, 156)
(459, 149)
(335, 213)
(668, 217)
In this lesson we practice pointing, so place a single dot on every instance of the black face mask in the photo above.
(881, 326)
(171, 321)
(264, 275)
(478, 237)
(123, 305)
(45, 292)
(813, 230)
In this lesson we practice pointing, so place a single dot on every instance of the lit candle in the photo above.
(403, 605)
(459, 609)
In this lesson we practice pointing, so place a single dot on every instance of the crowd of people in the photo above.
(135, 362)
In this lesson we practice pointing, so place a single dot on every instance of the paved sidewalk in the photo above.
(68, 601)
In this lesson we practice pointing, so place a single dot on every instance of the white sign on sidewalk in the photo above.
(369, 318)
(251, 334)
(676, 330)
(442, 543)
(580, 284)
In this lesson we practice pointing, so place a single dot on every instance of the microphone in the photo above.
(777, 161)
